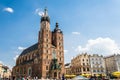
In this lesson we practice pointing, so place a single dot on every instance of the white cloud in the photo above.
(104, 46)
(65, 51)
(39, 12)
(76, 33)
(8, 9)
(16, 57)
(21, 48)
(71, 58)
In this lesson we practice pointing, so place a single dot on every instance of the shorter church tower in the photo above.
(57, 41)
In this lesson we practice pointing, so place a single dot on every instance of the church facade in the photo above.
(45, 59)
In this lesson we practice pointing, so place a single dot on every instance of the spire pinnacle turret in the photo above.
(57, 28)
(57, 25)
(45, 12)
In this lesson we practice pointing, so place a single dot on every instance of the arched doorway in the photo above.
(55, 74)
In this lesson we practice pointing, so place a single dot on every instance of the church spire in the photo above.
(45, 17)
(56, 26)
(45, 12)
(57, 29)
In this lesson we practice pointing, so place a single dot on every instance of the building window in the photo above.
(59, 44)
(47, 75)
(83, 64)
(60, 58)
(101, 70)
(97, 70)
(47, 57)
(20, 70)
(46, 40)
(83, 69)
(30, 56)
(59, 37)
(83, 59)
(47, 46)
(87, 69)
(46, 67)
(94, 70)
(46, 51)
(87, 59)
(60, 53)
(79, 69)
(47, 35)
(29, 71)
(24, 70)
(87, 64)
(55, 74)
(97, 62)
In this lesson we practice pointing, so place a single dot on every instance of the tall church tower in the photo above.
(51, 50)
(45, 44)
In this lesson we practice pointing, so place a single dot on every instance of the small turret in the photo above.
(57, 28)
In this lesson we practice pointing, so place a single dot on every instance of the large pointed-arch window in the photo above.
(29, 71)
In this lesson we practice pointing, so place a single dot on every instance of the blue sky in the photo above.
(88, 25)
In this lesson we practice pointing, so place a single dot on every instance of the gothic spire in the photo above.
(56, 26)
(57, 29)
(45, 12)
(45, 17)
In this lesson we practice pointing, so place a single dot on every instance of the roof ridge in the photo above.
(29, 49)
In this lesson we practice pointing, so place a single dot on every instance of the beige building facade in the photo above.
(5, 72)
(112, 63)
(68, 70)
(80, 64)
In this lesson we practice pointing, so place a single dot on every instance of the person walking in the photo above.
(63, 78)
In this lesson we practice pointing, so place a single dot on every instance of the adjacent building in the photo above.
(5, 72)
(44, 59)
(68, 70)
(80, 64)
(86, 64)
(112, 63)
(97, 64)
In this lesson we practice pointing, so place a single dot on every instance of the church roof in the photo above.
(29, 49)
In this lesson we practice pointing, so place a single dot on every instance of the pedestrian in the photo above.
(63, 78)
(91, 78)
(36, 78)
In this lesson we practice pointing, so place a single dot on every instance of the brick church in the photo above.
(45, 59)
